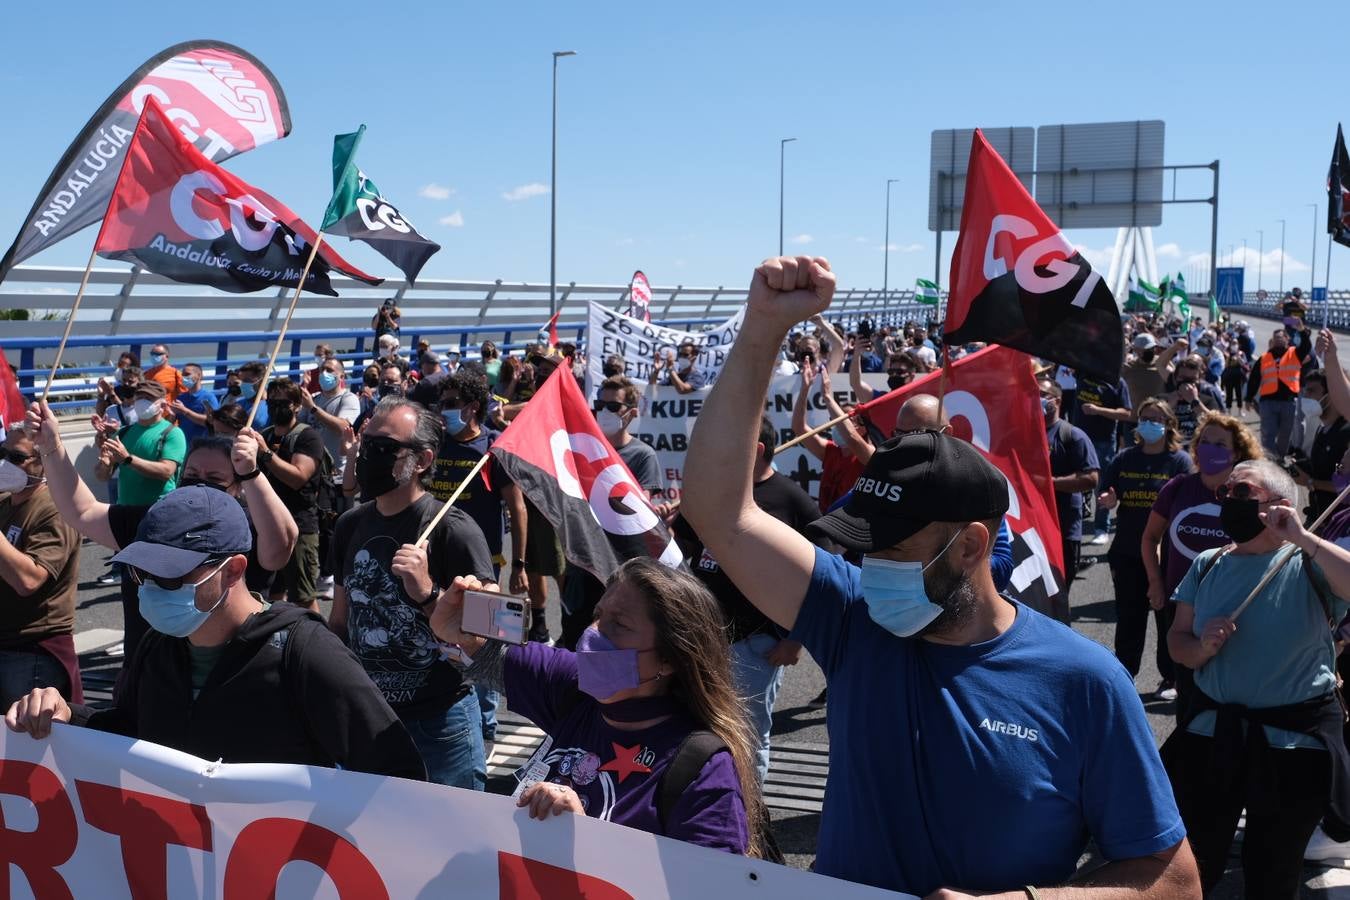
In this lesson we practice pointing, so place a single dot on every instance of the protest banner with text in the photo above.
(610, 333)
(88, 814)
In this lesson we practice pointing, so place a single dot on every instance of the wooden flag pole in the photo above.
(450, 501)
(1326, 514)
(806, 434)
(261, 396)
(70, 323)
(942, 382)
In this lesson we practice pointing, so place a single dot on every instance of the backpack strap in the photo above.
(694, 752)
(1213, 561)
(294, 640)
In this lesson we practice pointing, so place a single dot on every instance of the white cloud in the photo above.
(436, 191)
(802, 239)
(909, 248)
(1170, 250)
(525, 192)
(625, 242)
(454, 220)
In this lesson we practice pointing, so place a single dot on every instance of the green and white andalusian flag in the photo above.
(925, 291)
(357, 211)
(1143, 297)
(1177, 294)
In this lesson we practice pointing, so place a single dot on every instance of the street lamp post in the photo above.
(1312, 273)
(886, 244)
(1260, 258)
(782, 148)
(553, 195)
(1281, 257)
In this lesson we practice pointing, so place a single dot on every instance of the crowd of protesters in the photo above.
(976, 744)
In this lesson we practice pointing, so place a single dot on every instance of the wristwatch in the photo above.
(517, 563)
(266, 455)
(431, 598)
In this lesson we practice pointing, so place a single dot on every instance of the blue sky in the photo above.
(670, 118)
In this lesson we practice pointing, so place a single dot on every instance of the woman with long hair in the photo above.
(650, 682)
(1186, 516)
(1130, 486)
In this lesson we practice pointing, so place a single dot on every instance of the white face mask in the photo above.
(12, 478)
(146, 409)
(611, 423)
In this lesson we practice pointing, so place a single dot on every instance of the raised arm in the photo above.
(74, 501)
(851, 433)
(861, 389)
(836, 359)
(1338, 386)
(815, 444)
(768, 558)
(277, 531)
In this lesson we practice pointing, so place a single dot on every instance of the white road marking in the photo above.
(97, 639)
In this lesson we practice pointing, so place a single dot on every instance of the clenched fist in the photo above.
(791, 289)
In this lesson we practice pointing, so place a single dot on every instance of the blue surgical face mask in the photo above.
(247, 390)
(454, 420)
(175, 613)
(327, 381)
(1151, 432)
(189, 382)
(895, 594)
(157, 358)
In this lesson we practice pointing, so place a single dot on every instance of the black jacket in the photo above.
(310, 703)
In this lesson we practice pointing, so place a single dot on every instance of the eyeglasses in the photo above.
(15, 456)
(1239, 491)
(611, 405)
(379, 445)
(140, 576)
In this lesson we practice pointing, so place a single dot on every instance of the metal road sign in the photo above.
(1228, 285)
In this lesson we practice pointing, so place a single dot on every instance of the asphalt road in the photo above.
(99, 624)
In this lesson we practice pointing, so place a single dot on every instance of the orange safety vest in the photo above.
(1286, 370)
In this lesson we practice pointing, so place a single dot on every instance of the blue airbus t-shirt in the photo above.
(979, 768)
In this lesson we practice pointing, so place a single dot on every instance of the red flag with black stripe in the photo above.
(556, 453)
(180, 215)
(1017, 281)
(11, 401)
(992, 401)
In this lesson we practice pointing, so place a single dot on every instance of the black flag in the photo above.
(1338, 192)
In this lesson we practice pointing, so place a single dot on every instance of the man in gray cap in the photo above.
(975, 745)
(205, 679)
(1145, 371)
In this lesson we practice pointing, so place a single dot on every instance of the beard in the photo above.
(953, 591)
(405, 470)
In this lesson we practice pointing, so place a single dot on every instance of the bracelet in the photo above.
(249, 477)
(431, 598)
(1032, 893)
(517, 563)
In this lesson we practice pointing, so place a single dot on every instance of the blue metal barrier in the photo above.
(289, 364)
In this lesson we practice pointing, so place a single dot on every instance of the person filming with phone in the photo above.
(643, 724)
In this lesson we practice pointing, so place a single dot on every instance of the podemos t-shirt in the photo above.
(984, 767)
(1192, 514)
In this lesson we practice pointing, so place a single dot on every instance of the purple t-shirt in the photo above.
(1192, 514)
(617, 773)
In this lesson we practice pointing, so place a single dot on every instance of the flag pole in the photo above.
(261, 396)
(806, 434)
(1326, 514)
(70, 323)
(450, 501)
(942, 380)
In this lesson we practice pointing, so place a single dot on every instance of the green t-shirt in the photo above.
(143, 441)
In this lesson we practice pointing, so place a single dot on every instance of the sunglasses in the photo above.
(383, 446)
(1239, 491)
(140, 576)
(15, 456)
(611, 405)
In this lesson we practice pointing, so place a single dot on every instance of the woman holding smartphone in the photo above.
(644, 726)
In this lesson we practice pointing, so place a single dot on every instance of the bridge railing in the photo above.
(131, 309)
(1335, 313)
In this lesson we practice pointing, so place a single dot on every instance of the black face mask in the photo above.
(1241, 519)
(896, 381)
(375, 474)
(371, 381)
(1148, 355)
(193, 482)
(124, 392)
(391, 390)
(233, 390)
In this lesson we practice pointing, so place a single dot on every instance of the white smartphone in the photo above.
(498, 617)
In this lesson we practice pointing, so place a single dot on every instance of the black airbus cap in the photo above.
(910, 481)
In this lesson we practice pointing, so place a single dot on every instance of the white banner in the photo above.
(667, 419)
(87, 814)
(609, 333)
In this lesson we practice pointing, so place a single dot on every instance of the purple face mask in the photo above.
(1340, 481)
(1213, 458)
(604, 670)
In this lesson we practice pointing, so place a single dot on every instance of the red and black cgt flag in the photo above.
(179, 215)
(992, 401)
(1338, 192)
(11, 401)
(1017, 281)
(563, 463)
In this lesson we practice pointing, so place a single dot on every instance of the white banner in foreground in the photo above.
(87, 814)
(609, 333)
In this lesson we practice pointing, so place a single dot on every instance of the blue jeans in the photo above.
(451, 744)
(1106, 451)
(487, 706)
(1277, 424)
(23, 671)
(757, 680)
